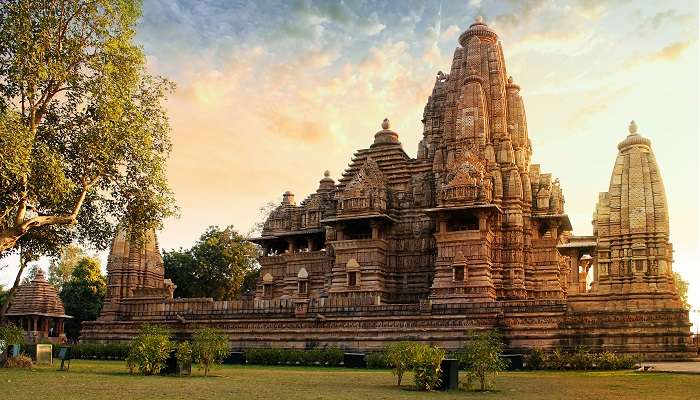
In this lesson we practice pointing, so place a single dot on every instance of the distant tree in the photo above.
(250, 281)
(30, 275)
(682, 286)
(3, 294)
(482, 358)
(263, 213)
(83, 295)
(61, 269)
(216, 266)
(180, 267)
(84, 135)
(210, 347)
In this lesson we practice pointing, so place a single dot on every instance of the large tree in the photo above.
(83, 294)
(84, 136)
(216, 266)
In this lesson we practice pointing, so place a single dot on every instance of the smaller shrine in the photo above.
(39, 311)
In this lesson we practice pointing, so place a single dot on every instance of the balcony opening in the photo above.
(463, 222)
(358, 231)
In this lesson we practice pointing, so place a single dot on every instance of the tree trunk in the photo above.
(11, 293)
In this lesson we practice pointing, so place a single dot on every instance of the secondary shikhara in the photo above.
(467, 235)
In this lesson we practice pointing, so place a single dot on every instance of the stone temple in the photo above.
(468, 235)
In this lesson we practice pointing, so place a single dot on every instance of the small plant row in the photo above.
(580, 359)
(330, 356)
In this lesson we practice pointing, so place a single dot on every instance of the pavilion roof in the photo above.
(37, 297)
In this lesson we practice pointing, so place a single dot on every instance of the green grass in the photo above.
(109, 380)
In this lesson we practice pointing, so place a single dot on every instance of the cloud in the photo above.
(450, 32)
(669, 52)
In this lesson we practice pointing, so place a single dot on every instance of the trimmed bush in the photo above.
(582, 360)
(331, 356)
(536, 359)
(149, 350)
(377, 361)
(426, 366)
(558, 360)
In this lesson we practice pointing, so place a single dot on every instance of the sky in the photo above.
(272, 93)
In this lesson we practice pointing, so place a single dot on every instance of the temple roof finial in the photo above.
(479, 19)
(386, 124)
(327, 174)
(633, 127)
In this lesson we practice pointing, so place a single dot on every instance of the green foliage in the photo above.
(83, 295)
(84, 135)
(210, 347)
(30, 274)
(377, 361)
(149, 350)
(558, 360)
(184, 356)
(94, 351)
(682, 287)
(61, 268)
(11, 334)
(330, 356)
(426, 366)
(216, 266)
(400, 356)
(536, 359)
(581, 359)
(482, 358)
(83, 127)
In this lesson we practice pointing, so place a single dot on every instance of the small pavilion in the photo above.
(38, 310)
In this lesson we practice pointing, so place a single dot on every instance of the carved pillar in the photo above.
(291, 246)
(311, 244)
(375, 229)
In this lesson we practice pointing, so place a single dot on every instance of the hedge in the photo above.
(330, 356)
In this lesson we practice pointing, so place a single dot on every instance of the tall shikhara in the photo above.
(467, 235)
(469, 218)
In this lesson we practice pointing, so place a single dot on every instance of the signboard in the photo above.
(44, 354)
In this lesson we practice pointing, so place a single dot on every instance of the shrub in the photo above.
(582, 360)
(11, 334)
(558, 360)
(399, 356)
(536, 359)
(21, 361)
(183, 355)
(377, 361)
(426, 366)
(332, 356)
(482, 358)
(210, 347)
(606, 360)
(149, 350)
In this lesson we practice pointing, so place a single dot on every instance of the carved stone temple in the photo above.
(468, 235)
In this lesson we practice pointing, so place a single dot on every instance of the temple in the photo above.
(39, 311)
(467, 235)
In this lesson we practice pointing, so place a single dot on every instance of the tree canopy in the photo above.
(84, 135)
(216, 266)
(83, 295)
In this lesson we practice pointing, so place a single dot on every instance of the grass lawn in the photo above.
(109, 380)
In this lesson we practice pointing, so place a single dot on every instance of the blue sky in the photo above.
(272, 93)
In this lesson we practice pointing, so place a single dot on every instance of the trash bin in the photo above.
(354, 360)
(449, 375)
(235, 357)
